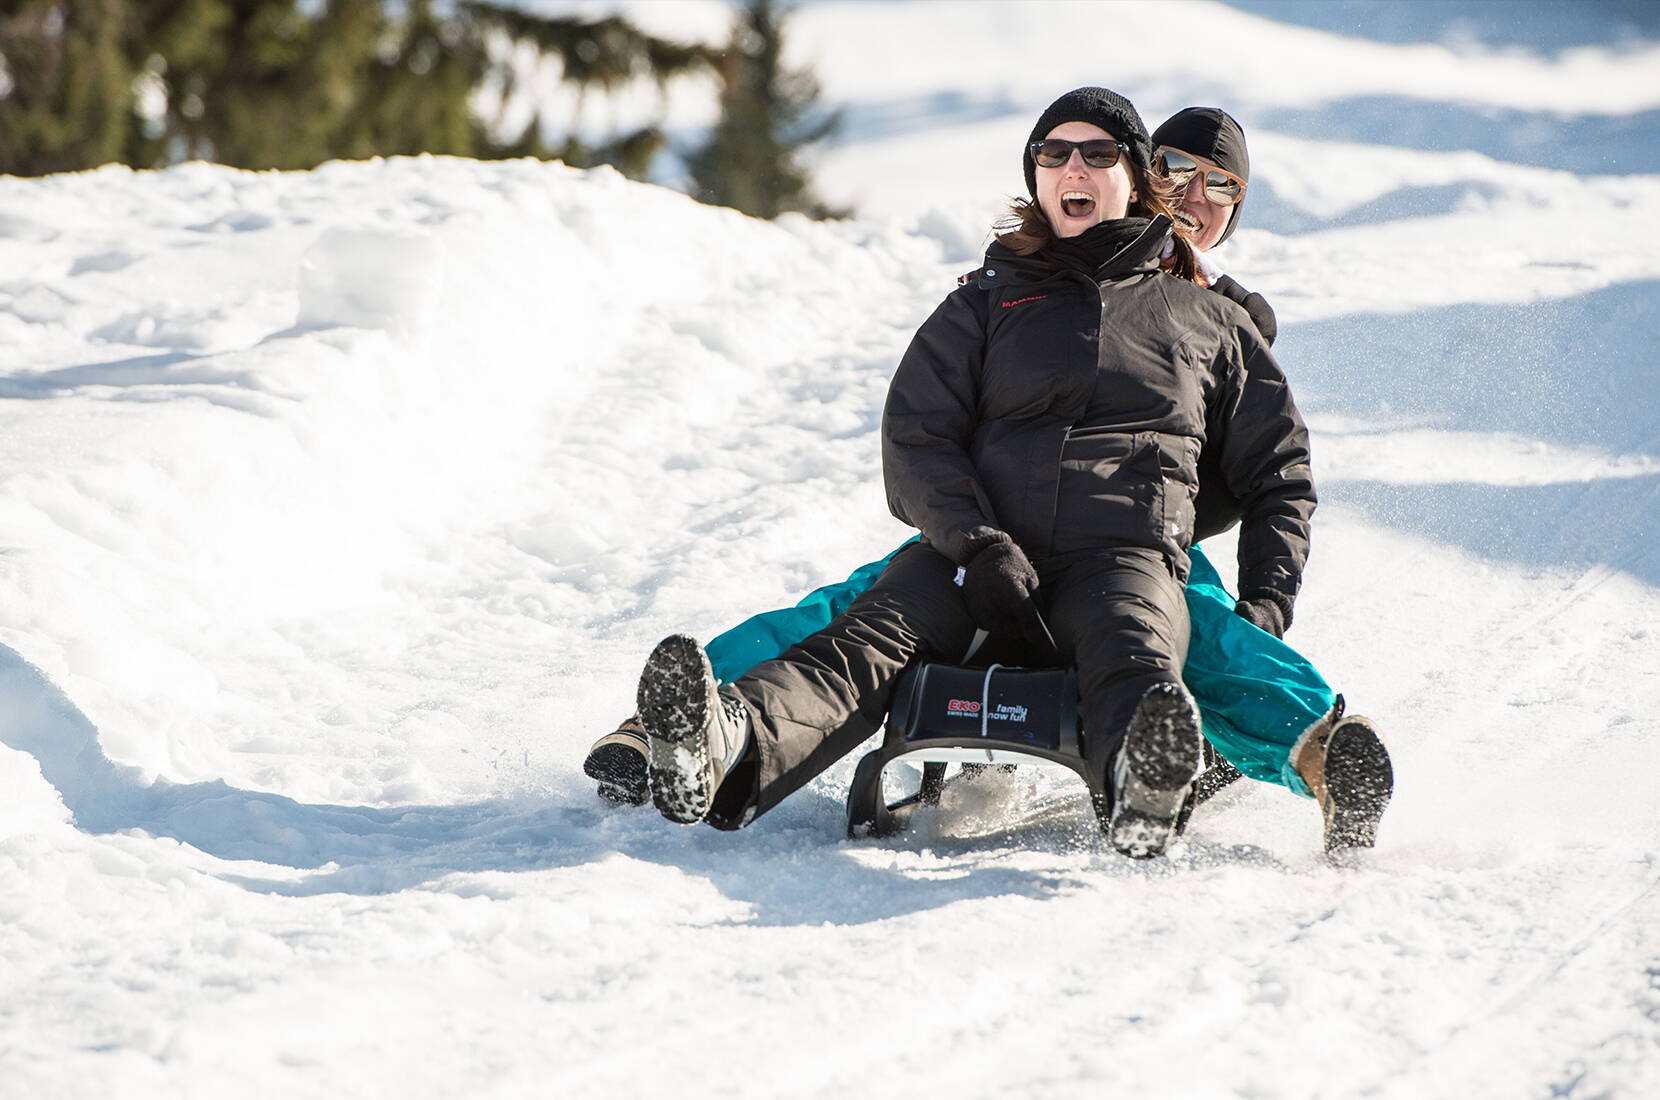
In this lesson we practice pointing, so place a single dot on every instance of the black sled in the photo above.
(984, 718)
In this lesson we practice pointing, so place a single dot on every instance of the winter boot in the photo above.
(617, 762)
(1162, 752)
(694, 734)
(1217, 775)
(1344, 763)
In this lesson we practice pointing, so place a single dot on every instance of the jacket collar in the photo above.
(1141, 252)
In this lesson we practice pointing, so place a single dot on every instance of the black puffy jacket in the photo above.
(996, 385)
(1217, 509)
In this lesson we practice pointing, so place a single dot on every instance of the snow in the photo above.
(338, 511)
(1265, 62)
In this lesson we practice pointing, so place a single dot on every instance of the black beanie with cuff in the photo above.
(1102, 107)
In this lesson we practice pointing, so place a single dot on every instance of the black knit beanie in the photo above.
(1212, 133)
(1102, 107)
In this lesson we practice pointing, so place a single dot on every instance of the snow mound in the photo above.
(339, 509)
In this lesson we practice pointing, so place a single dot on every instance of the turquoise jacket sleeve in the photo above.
(1256, 694)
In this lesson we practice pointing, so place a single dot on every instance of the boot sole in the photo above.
(1359, 782)
(673, 702)
(617, 762)
(1163, 752)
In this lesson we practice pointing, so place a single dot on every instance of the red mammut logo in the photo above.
(1023, 301)
(963, 706)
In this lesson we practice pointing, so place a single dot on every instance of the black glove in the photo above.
(998, 583)
(1265, 609)
(1262, 314)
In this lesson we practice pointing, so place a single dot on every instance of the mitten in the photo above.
(1265, 609)
(998, 583)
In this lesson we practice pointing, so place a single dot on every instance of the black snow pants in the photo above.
(1120, 616)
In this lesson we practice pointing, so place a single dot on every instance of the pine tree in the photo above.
(259, 85)
(594, 55)
(414, 91)
(65, 85)
(291, 83)
(768, 115)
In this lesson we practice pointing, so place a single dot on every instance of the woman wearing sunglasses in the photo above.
(1260, 701)
(1202, 151)
(1043, 432)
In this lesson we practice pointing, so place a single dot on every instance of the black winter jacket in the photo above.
(1216, 510)
(998, 379)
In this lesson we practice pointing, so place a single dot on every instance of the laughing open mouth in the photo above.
(1077, 204)
(1187, 220)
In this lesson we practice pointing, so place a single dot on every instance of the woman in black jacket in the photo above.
(1043, 432)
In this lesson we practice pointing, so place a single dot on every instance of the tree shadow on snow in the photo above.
(1589, 145)
(1577, 371)
(228, 822)
(1544, 25)
(791, 868)
(1270, 212)
(1604, 524)
(163, 376)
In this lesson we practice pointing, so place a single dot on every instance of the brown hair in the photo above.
(1024, 228)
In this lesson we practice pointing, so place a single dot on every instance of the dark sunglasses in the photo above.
(1221, 188)
(1097, 152)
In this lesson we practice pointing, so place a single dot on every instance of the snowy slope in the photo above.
(338, 510)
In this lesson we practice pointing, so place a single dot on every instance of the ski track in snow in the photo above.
(339, 509)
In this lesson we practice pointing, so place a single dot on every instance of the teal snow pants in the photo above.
(1256, 694)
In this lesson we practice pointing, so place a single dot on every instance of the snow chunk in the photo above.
(367, 278)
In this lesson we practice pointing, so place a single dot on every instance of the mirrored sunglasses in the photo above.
(1097, 153)
(1221, 188)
